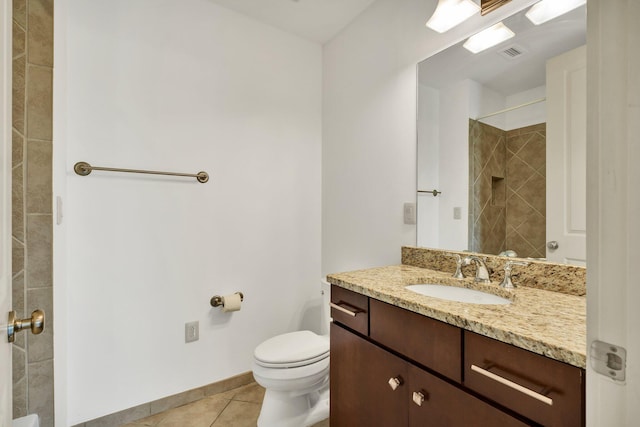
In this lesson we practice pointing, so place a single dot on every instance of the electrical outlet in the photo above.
(191, 331)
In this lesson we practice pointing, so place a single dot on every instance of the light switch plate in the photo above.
(410, 213)
(457, 212)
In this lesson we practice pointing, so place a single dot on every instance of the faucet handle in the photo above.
(458, 274)
(508, 266)
(467, 259)
(482, 271)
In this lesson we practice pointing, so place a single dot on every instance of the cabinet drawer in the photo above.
(427, 341)
(350, 309)
(435, 402)
(544, 390)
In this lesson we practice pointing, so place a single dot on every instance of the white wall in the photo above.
(59, 180)
(428, 165)
(184, 86)
(369, 128)
(529, 115)
(454, 157)
(484, 101)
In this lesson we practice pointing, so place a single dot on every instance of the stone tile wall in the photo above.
(526, 190)
(507, 197)
(32, 219)
(487, 211)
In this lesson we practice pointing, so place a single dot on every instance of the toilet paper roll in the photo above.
(231, 302)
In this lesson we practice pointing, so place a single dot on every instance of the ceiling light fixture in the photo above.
(546, 10)
(491, 5)
(487, 38)
(450, 13)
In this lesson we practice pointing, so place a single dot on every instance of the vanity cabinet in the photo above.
(399, 368)
(362, 375)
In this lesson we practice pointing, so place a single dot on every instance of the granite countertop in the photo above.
(545, 322)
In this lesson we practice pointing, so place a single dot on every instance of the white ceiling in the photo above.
(509, 76)
(316, 20)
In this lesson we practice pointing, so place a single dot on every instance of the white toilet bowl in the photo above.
(294, 370)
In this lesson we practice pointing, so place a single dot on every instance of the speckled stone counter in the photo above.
(545, 322)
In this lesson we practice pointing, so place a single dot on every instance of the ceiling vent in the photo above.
(512, 52)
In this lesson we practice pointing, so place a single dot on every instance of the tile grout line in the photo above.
(221, 412)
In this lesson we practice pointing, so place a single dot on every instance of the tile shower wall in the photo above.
(487, 222)
(508, 197)
(32, 214)
(526, 190)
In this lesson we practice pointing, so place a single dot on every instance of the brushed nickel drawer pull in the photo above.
(395, 382)
(418, 398)
(344, 310)
(511, 384)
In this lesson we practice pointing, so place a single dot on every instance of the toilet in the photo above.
(294, 370)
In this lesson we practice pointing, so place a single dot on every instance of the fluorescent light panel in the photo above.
(487, 38)
(546, 10)
(450, 13)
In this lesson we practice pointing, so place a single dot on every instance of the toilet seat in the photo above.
(292, 350)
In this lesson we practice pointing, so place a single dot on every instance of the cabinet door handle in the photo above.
(418, 398)
(395, 382)
(344, 310)
(511, 384)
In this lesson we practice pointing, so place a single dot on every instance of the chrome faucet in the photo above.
(482, 273)
(506, 282)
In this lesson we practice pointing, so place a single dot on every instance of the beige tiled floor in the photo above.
(235, 408)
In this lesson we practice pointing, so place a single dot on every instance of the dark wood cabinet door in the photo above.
(360, 392)
(439, 404)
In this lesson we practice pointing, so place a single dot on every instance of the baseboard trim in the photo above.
(151, 408)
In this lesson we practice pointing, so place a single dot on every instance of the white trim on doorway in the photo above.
(5, 210)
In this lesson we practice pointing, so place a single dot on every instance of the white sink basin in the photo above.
(454, 293)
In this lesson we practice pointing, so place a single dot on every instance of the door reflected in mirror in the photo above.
(500, 141)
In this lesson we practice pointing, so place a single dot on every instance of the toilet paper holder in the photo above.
(216, 300)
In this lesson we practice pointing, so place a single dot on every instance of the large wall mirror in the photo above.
(502, 143)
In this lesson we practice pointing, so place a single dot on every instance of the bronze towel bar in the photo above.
(84, 169)
(434, 192)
